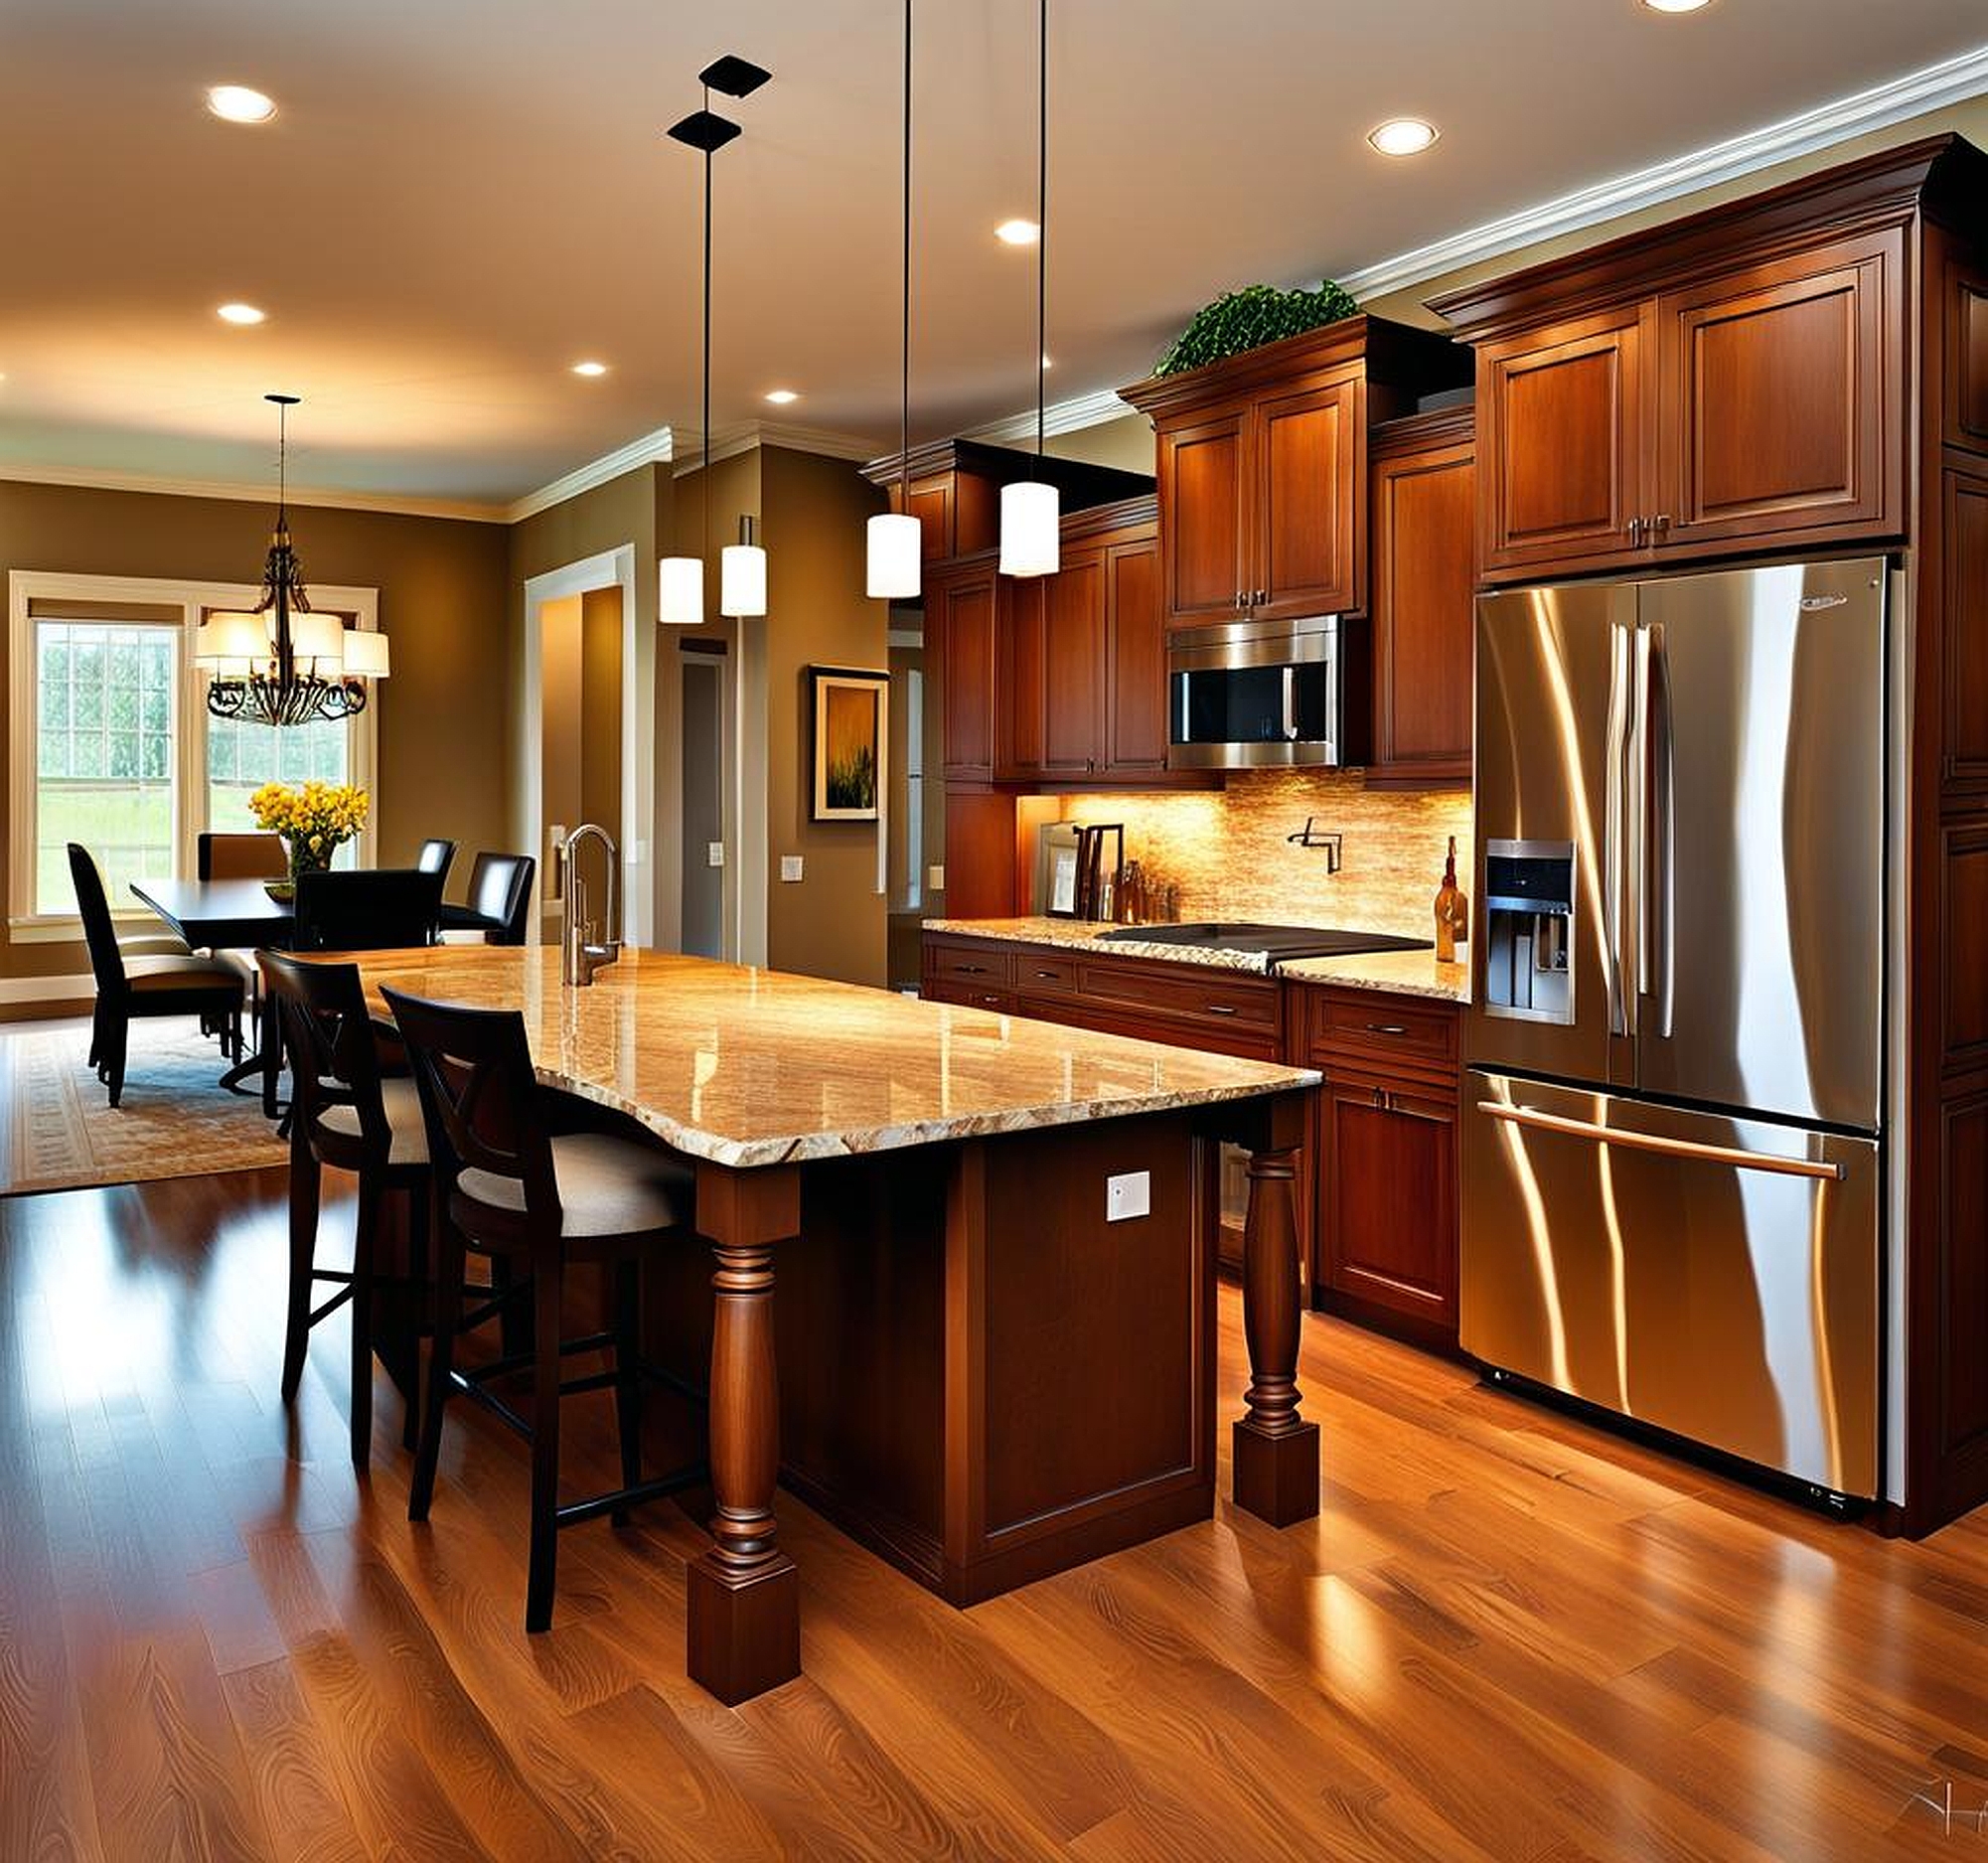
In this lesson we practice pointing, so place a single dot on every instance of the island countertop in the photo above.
(749, 1067)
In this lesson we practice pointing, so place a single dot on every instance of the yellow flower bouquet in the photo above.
(314, 820)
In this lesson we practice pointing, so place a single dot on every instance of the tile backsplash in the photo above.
(1228, 853)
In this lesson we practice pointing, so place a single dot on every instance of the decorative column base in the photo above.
(744, 1638)
(1277, 1476)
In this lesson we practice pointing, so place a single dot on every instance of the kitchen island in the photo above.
(996, 1238)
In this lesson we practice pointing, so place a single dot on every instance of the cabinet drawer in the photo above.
(1378, 1028)
(970, 965)
(968, 995)
(1038, 973)
(1191, 992)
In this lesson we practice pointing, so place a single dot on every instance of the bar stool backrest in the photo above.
(482, 1101)
(328, 1035)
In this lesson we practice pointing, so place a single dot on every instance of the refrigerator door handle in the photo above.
(1615, 830)
(1637, 763)
(1531, 1117)
(1663, 815)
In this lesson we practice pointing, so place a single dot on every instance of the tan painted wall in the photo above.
(600, 709)
(1126, 442)
(441, 585)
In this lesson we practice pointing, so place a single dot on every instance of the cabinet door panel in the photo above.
(1563, 443)
(1020, 677)
(1966, 318)
(1073, 665)
(1387, 1195)
(1203, 493)
(1308, 451)
(1778, 384)
(1135, 662)
(1964, 618)
(1424, 511)
(963, 616)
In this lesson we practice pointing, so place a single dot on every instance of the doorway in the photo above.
(708, 879)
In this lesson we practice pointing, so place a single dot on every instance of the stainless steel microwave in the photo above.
(1256, 694)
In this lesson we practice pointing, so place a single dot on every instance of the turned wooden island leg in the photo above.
(744, 1595)
(1274, 1449)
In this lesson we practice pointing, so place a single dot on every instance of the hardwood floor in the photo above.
(1505, 1637)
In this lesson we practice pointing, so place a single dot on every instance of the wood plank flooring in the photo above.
(1506, 1637)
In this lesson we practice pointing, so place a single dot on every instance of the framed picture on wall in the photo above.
(848, 705)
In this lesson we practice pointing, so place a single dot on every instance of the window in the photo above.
(111, 744)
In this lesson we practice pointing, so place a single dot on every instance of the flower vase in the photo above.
(306, 859)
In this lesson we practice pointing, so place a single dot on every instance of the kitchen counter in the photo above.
(1406, 973)
(749, 1068)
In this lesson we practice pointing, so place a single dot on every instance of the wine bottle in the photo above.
(1452, 911)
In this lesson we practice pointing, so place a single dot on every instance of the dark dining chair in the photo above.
(349, 1115)
(374, 909)
(128, 988)
(500, 899)
(436, 857)
(508, 1188)
(240, 856)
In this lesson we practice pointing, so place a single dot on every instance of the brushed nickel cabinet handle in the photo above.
(1635, 531)
(1218, 1009)
(1387, 1028)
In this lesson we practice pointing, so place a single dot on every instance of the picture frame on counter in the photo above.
(849, 711)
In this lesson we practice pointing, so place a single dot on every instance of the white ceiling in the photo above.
(461, 198)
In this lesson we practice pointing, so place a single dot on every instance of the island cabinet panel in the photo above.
(960, 630)
(1308, 455)
(1778, 391)
(1424, 491)
(1563, 430)
(1204, 499)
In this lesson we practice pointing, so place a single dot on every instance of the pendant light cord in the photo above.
(704, 477)
(1041, 218)
(904, 406)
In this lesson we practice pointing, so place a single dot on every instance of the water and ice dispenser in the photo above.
(1528, 914)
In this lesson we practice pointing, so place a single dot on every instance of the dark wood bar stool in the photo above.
(508, 1188)
(348, 1114)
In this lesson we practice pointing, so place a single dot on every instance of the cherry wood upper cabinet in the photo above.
(1204, 490)
(1263, 462)
(1073, 665)
(1020, 677)
(1424, 481)
(1778, 384)
(960, 627)
(1563, 427)
(1308, 455)
(1135, 662)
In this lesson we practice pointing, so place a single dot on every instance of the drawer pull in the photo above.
(1387, 1028)
(1219, 1008)
(1050, 976)
(971, 970)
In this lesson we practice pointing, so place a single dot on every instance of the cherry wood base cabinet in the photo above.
(1805, 371)
(1261, 463)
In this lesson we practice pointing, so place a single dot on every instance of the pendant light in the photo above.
(742, 565)
(1031, 540)
(896, 540)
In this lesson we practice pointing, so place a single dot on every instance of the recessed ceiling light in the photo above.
(1017, 233)
(1402, 135)
(240, 314)
(783, 397)
(1677, 6)
(237, 103)
(590, 369)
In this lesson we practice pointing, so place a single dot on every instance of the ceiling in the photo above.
(459, 199)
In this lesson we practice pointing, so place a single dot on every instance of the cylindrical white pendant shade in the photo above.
(1031, 534)
(742, 580)
(366, 655)
(896, 546)
(681, 594)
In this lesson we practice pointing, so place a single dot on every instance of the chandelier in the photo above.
(279, 663)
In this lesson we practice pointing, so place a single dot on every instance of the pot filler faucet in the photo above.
(578, 960)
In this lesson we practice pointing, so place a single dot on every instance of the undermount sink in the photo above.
(1273, 941)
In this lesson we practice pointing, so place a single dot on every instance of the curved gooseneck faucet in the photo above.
(579, 960)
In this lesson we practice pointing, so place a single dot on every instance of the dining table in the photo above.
(231, 915)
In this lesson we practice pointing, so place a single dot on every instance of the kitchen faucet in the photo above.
(578, 960)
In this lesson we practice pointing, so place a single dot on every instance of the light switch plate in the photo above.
(790, 866)
(935, 878)
(715, 853)
(1129, 1195)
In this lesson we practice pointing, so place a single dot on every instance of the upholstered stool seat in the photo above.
(401, 1102)
(607, 1186)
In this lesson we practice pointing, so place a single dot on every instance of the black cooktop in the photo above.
(1275, 942)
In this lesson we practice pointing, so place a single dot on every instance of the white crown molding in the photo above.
(303, 498)
(730, 442)
(1862, 114)
(649, 449)
(1079, 411)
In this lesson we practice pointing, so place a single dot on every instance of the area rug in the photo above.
(60, 1132)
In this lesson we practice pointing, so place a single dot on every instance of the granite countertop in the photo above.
(750, 1067)
(1405, 973)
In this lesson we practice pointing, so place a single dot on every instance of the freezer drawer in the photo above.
(1715, 1277)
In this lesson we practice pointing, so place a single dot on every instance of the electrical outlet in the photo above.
(1129, 1195)
(790, 866)
(715, 853)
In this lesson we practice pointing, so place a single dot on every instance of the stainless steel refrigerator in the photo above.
(1671, 1185)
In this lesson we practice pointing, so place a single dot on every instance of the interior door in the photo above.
(1550, 713)
(1760, 928)
(1713, 1277)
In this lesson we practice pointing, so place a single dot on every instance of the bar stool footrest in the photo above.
(690, 1476)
